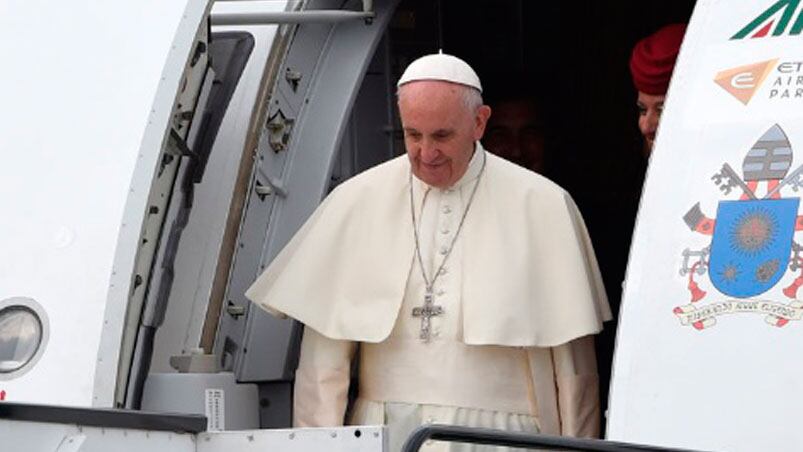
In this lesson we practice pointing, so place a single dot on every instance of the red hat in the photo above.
(653, 59)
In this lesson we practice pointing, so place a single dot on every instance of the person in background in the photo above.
(651, 65)
(516, 132)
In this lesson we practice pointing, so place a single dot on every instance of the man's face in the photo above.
(439, 130)
(515, 133)
(650, 107)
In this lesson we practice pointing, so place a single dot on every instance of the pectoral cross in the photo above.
(426, 313)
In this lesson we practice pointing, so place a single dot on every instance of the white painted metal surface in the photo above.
(734, 383)
(76, 121)
(343, 439)
(45, 437)
(49, 437)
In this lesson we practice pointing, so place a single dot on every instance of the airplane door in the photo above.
(307, 118)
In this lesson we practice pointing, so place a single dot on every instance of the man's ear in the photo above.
(481, 120)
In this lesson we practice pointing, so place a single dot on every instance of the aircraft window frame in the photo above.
(31, 311)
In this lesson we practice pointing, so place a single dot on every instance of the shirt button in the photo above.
(441, 292)
(444, 251)
(444, 231)
(447, 209)
(443, 271)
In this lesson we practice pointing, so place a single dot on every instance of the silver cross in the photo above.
(426, 313)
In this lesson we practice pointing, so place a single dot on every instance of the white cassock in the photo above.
(520, 293)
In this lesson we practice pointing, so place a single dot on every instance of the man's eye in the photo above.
(642, 110)
(442, 136)
(413, 135)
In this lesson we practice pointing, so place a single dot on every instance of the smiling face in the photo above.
(440, 128)
(650, 107)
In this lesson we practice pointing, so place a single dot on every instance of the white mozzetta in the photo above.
(533, 278)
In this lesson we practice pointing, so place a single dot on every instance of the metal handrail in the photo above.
(287, 17)
(489, 437)
(291, 17)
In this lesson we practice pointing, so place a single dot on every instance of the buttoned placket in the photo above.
(438, 216)
(440, 212)
(449, 209)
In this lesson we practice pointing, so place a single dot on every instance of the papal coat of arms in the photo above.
(752, 240)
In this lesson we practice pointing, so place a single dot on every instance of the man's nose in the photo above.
(429, 150)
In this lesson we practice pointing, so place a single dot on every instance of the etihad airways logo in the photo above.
(743, 82)
(774, 21)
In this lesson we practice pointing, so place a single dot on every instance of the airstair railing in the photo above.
(452, 433)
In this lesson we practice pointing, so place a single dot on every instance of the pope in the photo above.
(465, 285)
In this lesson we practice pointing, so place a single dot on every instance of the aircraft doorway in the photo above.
(571, 60)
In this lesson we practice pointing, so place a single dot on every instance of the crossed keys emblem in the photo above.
(727, 179)
(697, 261)
(752, 243)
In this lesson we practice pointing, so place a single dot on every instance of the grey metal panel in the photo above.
(228, 55)
(163, 184)
(276, 404)
(303, 55)
(312, 152)
(186, 393)
(202, 244)
(269, 166)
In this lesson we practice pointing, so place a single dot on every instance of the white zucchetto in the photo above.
(439, 66)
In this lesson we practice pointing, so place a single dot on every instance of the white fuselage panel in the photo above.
(79, 80)
(710, 331)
